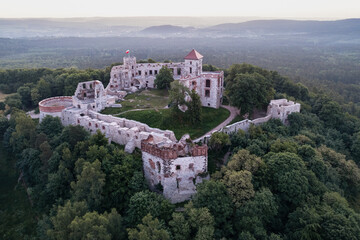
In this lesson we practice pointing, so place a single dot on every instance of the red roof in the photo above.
(193, 55)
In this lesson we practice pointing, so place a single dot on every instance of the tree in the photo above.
(14, 101)
(211, 195)
(89, 184)
(144, 202)
(177, 95)
(24, 135)
(44, 88)
(249, 91)
(2, 106)
(63, 218)
(288, 177)
(164, 78)
(150, 229)
(239, 186)
(243, 160)
(180, 227)
(193, 223)
(4, 124)
(194, 108)
(51, 126)
(25, 94)
(73, 134)
(219, 141)
(258, 214)
(93, 225)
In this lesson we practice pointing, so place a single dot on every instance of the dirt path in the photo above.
(233, 113)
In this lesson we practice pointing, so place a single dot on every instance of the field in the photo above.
(161, 119)
(146, 99)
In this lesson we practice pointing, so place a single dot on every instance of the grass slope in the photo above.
(146, 99)
(161, 119)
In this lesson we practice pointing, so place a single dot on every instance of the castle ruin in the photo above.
(173, 166)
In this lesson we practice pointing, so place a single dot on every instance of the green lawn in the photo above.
(161, 119)
(146, 99)
(17, 219)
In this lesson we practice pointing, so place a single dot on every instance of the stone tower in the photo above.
(193, 63)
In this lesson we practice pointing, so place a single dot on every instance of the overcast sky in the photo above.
(326, 9)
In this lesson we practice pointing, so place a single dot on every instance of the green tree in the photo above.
(219, 141)
(150, 229)
(164, 78)
(180, 227)
(142, 203)
(43, 88)
(89, 185)
(2, 106)
(25, 94)
(50, 126)
(194, 108)
(73, 134)
(24, 135)
(193, 223)
(64, 216)
(239, 186)
(249, 91)
(243, 160)
(211, 195)
(93, 225)
(4, 124)
(177, 95)
(14, 101)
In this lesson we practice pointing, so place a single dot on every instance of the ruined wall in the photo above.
(119, 130)
(178, 176)
(282, 108)
(142, 75)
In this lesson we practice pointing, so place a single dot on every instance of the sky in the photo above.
(300, 9)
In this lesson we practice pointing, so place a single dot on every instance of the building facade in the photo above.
(132, 76)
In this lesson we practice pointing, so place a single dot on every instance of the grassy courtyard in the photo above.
(161, 119)
(146, 99)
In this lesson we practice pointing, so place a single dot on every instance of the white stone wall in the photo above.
(119, 130)
(282, 108)
(142, 75)
(181, 183)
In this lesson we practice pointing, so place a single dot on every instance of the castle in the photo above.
(132, 76)
(175, 166)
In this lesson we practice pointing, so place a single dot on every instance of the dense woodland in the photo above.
(300, 181)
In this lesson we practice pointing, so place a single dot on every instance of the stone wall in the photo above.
(189, 73)
(178, 176)
(119, 130)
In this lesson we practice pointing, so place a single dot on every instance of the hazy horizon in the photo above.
(278, 9)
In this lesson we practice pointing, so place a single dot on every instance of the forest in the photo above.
(296, 181)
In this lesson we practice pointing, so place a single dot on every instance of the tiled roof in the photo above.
(193, 55)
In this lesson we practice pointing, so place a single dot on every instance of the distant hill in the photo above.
(289, 26)
(190, 27)
(166, 29)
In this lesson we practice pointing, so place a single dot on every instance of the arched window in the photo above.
(207, 83)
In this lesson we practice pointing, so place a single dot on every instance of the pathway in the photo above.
(233, 113)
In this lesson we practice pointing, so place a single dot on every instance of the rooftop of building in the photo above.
(193, 55)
